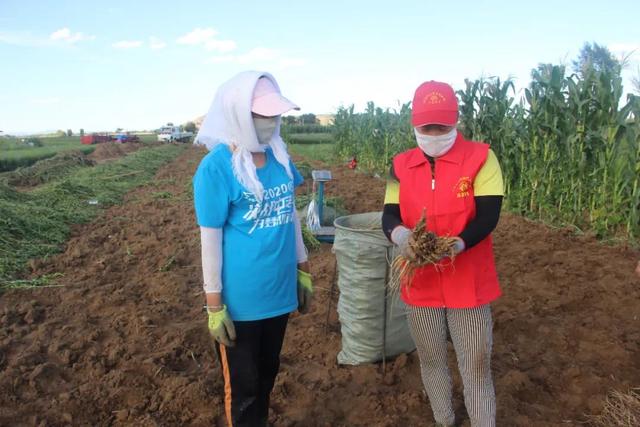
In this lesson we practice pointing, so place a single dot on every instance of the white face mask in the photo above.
(265, 128)
(436, 146)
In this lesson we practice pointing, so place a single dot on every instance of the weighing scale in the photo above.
(323, 233)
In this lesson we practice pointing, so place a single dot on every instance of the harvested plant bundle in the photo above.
(620, 410)
(424, 248)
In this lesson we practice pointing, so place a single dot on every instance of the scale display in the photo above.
(321, 175)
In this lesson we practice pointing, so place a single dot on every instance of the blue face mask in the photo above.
(265, 128)
(436, 146)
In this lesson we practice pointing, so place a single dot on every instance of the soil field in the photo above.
(123, 341)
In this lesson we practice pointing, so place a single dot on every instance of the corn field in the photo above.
(569, 148)
(373, 137)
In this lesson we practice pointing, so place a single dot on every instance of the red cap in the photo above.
(434, 103)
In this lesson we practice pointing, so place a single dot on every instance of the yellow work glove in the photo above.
(221, 327)
(305, 291)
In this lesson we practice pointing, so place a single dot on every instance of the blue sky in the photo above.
(100, 65)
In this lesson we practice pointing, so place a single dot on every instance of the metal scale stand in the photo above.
(324, 233)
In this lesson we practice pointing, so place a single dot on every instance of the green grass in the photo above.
(14, 144)
(148, 138)
(36, 224)
(46, 281)
(321, 152)
(310, 240)
(310, 138)
(14, 153)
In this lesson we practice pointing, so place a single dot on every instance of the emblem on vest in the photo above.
(463, 187)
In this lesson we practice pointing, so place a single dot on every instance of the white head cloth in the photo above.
(229, 122)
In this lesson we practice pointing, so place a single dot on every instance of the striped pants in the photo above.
(471, 333)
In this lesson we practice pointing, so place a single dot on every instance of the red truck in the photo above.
(95, 138)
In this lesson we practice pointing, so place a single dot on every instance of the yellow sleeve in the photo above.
(392, 193)
(488, 181)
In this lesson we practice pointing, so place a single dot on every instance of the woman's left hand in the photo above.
(305, 291)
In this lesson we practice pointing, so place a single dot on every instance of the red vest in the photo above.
(448, 202)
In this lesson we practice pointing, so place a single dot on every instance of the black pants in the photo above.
(250, 369)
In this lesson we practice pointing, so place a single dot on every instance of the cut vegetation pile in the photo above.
(35, 224)
(112, 150)
(48, 169)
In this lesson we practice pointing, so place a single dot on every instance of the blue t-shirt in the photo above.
(259, 267)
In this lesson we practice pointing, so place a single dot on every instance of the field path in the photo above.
(124, 341)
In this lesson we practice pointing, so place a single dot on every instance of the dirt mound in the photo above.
(124, 342)
(106, 151)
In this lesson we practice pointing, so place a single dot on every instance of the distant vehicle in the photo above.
(173, 134)
(123, 137)
(95, 138)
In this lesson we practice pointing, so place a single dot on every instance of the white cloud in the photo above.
(65, 35)
(60, 34)
(198, 36)
(206, 37)
(156, 43)
(127, 44)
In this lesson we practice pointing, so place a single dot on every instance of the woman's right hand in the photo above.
(401, 236)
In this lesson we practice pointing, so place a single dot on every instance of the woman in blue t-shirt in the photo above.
(254, 262)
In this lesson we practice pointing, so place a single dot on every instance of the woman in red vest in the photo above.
(458, 185)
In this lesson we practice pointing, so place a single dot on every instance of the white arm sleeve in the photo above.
(301, 250)
(211, 240)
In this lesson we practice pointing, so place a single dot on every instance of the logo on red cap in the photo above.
(434, 98)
